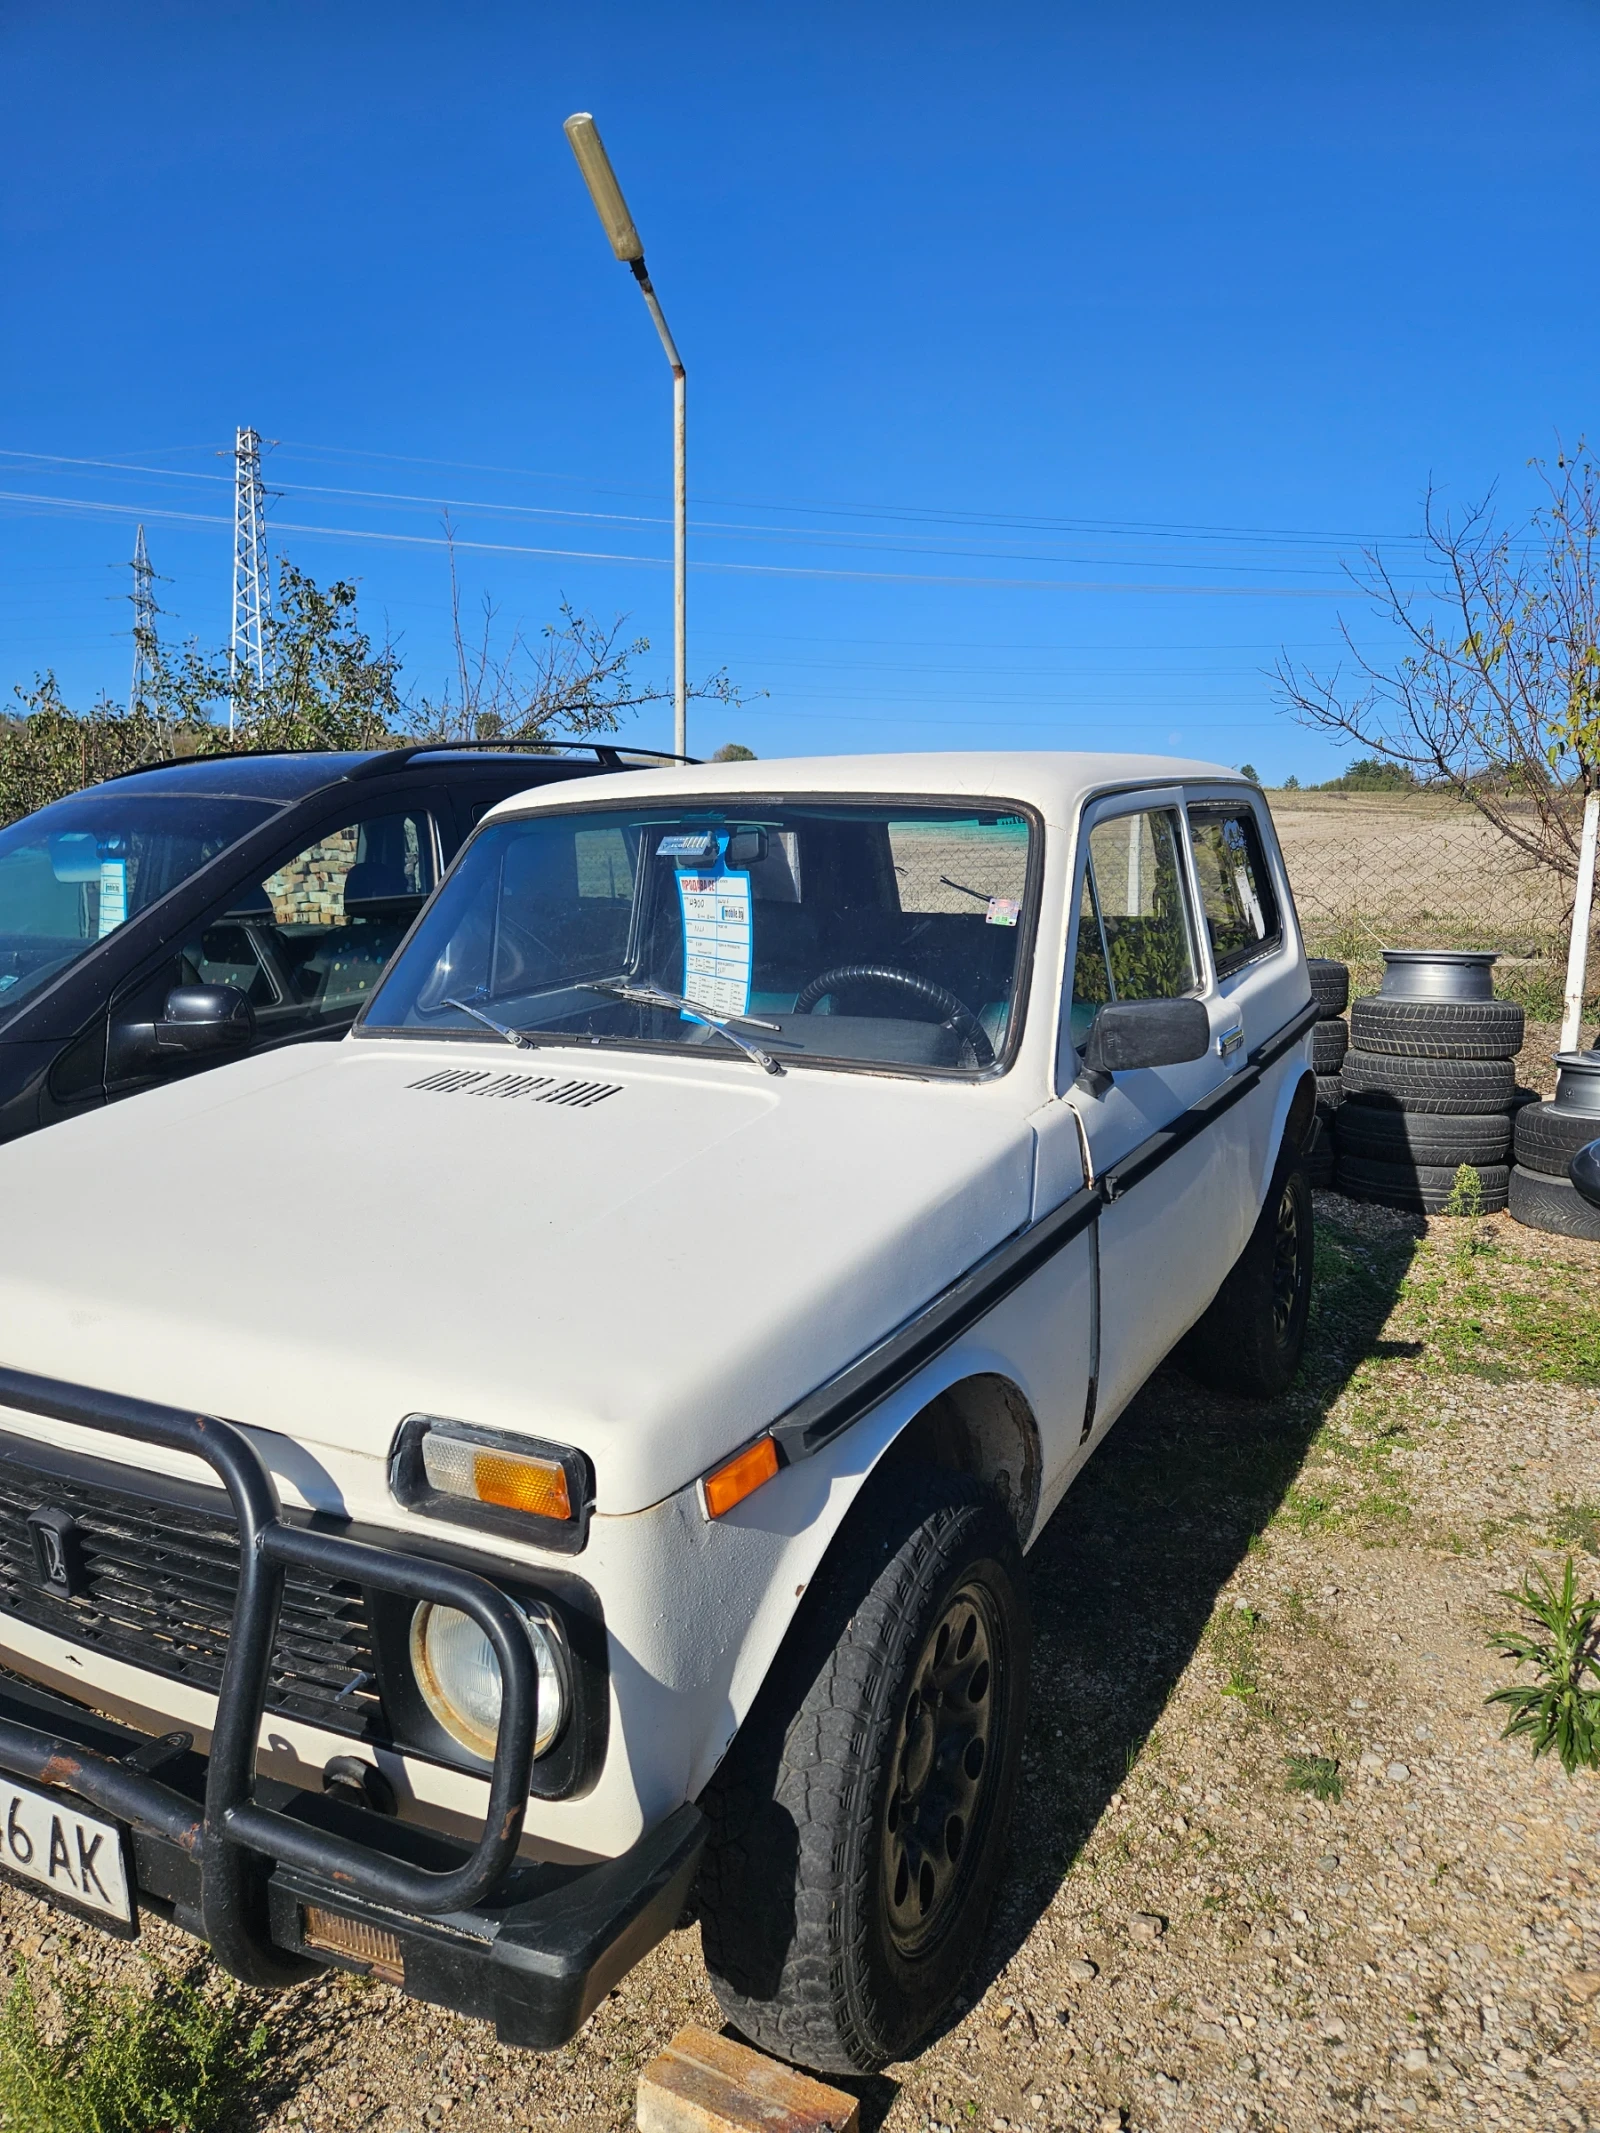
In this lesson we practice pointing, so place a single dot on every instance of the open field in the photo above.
(1375, 870)
(1233, 1599)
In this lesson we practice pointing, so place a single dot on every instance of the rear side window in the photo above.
(1241, 911)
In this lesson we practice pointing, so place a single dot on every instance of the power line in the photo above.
(704, 564)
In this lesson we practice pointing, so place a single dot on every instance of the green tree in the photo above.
(48, 750)
(1369, 773)
(734, 752)
(325, 686)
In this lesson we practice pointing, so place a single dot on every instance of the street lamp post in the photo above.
(626, 242)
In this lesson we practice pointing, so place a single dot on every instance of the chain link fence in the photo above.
(1393, 870)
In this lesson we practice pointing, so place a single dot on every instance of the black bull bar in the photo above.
(233, 1836)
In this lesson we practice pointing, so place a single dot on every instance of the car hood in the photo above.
(644, 1257)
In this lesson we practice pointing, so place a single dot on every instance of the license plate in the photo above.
(68, 1854)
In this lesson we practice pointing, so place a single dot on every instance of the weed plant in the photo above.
(1559, 1638)
(1315, 1774)
(168, 2059)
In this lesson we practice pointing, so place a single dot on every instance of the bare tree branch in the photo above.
(1495, 692)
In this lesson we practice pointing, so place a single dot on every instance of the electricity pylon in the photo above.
(144, 626)
(252, 580)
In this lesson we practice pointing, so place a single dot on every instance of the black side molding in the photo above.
(842, 1399)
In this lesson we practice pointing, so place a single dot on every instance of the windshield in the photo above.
(886, 935)
(74, 872)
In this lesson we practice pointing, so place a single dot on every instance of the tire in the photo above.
(814, 1888)
(1330, 1095)
(1252, 1336)
(1548, 1137)
(1554, 1204)
(1448, 1087)
(1382, 1136)
(1438, 1029)
(1329, 1042)
(1320, 1167)
(1330, 984)
(1424, 1187)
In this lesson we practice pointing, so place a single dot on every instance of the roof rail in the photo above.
(216, 755)
(609, 753)
(375, 761)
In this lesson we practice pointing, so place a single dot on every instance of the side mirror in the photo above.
(1584, 1171)
(197, 1022)
(1144, 1033)
(202, 1019)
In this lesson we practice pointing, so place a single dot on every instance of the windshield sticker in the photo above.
(716, 941)
(113, 895)
(1002, 911)
(701, 844)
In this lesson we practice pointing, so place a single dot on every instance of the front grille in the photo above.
(158, 1581)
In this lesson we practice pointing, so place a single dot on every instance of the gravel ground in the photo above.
(1183, 1940)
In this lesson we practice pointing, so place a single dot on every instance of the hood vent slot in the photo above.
(534, 1088)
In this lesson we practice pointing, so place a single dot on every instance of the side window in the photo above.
(1134, 936)
(306, 944)
(326, 921)
(1241, 911)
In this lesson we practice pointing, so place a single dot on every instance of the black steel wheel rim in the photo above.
(939, 1780)
(1288, 1262)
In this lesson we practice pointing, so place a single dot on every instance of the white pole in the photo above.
(680, 516)
(626, 242)
(1578, 947)
(680, 563)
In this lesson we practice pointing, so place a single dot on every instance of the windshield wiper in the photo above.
(512, 1036)
(652, 996)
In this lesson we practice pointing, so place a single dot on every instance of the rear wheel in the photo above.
(859, 1822)
(1251, 1339)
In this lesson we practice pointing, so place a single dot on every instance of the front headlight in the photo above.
(459, 1675)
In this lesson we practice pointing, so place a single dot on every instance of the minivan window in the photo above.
(72, 873)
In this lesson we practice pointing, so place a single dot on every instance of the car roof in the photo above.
(1056, 782)
(288, 775)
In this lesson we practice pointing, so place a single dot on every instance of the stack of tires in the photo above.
(1548, 1136)
(1330, 988)
(1428, 1082)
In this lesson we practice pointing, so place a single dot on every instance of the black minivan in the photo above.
(179, 916)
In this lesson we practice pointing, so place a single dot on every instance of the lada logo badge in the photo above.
(57, 1556)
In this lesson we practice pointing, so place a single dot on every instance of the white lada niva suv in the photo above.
(565, 1454)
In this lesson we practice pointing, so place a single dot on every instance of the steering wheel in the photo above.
(954, 1014)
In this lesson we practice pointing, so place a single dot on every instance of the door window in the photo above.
(307, 943)
(1236, 894)
(324, 923)
(1135, 941)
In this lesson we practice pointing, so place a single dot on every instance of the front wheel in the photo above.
(1252, 1337)
(859, 1822)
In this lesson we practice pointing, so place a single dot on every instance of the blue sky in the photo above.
(1043, 362)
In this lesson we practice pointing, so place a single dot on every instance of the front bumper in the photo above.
(240, 1861)
(535, 1959)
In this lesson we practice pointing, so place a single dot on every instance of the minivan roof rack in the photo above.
(374, 762)
(610, 753)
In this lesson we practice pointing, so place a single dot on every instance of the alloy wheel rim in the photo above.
(938, 1782)
(1288, 1248)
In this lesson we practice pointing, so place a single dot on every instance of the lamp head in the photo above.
(604, 190)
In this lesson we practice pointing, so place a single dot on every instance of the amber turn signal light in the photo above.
(740, 1476)
(515, 1481)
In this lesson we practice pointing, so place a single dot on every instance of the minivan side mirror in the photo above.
(200, 1019)
(1584, 1171)
(1144, 1033)
(197, 1022)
